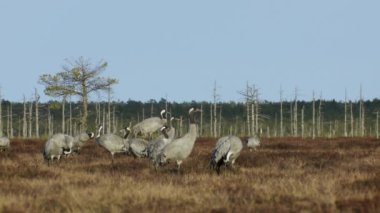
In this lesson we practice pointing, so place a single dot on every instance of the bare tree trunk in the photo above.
(19, 126)
(215, 116)
(247, 94)
(377, 125)
(330, 132)
(302, 122)
(71, 117)
(275, 125)
(24, 123)
(37, 98)
(248, 117)
(30, 119)
(50, 131)
(253, 116)
(220, 121)
(361, 119)
(313, 122)
(211, 120)
(85, 111)
(291, 119)
(295, 115)
(257, 108)
(352, 121)
(109, 112)
(114, 119)
(281, 116)
(1, 115)
(201, 125)
(345, 113)
(8, 117)
(180, 126)
(11, 120)
(104, 118)
(63, 114)
(320, 124)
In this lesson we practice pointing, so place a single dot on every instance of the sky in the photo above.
(178, 49)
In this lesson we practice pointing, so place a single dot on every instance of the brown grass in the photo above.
(284, 175)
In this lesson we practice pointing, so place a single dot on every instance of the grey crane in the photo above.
(141, 148)
(5, 143)
(112, 142)
(80, 139)
(56, 146)
(138, 147)
(155, 146)
(226, 151)
(179, 149)
(150, 125)
(253, 142)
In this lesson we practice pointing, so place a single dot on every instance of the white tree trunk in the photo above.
(1, 115)
(63, 114)
(345, 114)
(37, 98)
(30, 119)
(11, 120)
(313, 119)
(24, 123)
(281, 116)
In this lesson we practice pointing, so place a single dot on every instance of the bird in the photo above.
(112, 142)
(155, 146)
(56, 146)
(138, 147)
(226, 151)
(5, 143)
(77, 142)
(253, 142)
(150, 125)
(179, 149)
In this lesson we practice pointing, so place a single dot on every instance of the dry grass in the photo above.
(284, 175)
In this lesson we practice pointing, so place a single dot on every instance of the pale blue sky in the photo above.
(179, 48)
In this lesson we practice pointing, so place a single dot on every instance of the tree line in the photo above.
(331, 118)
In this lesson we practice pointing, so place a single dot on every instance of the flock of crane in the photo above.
(160, 150)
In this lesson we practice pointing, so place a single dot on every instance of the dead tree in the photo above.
(63, 114)
(24, 123)
(281, 115)
(345, 113)
(109, 112)
(70, 117)
(30, 119)
(295, 115)
(11, 120)
(361, 112)
(291, 119)
(377, 125)
(352, 120)
(211, 119)
(201, 124)
(36, 100)
(1, 116)
(248, 110)
(215, 96)
(320, 122)
(8, 122)
(302, 122)
(313, 119)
